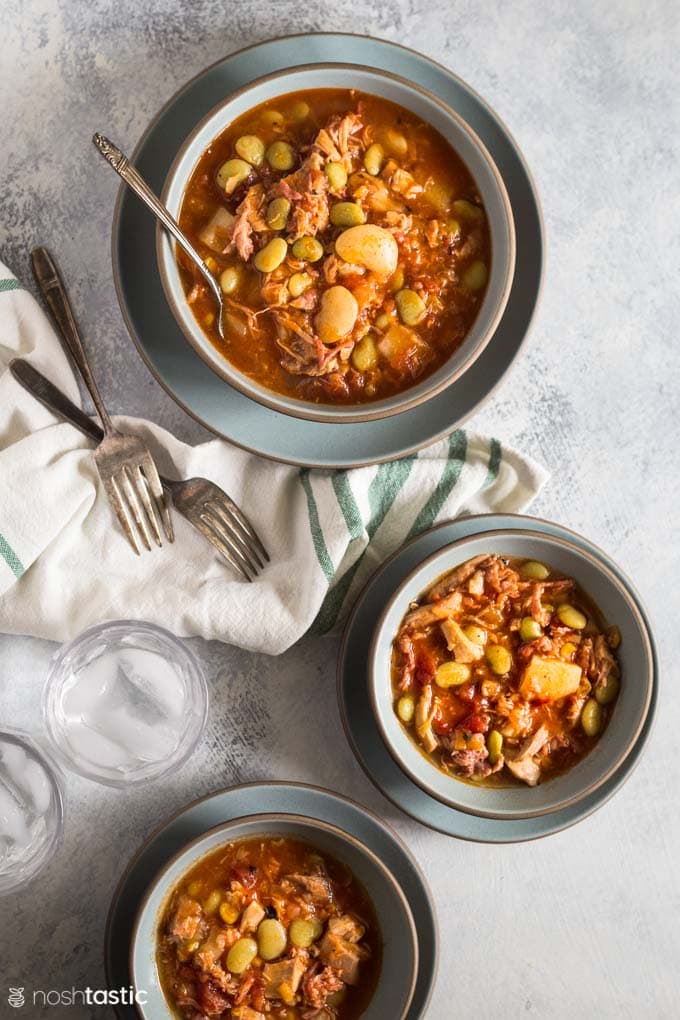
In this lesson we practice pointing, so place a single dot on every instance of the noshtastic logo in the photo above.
(77, 996)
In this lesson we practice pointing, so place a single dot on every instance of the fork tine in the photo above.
(224, 535)
(133, 502)
(122, 512)
(237, 547)
(215, 540)
(153, 480)
(247, 546)
(141, 487)
(245, 525)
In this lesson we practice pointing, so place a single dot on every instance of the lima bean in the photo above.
(467, 211)
(529, 630)
(229, 279)
(591, 718)
(277, 213)
(299, 283)
(271, 939)
(241, 955)
(395, 142)
(571, 617)
(347, 214)
(534, 571)
(476, 634)
(365, 354)
(337, 176)
(608, 691)
(308, 249)
(271, 256)
(499, 659)
(452, 674)
(337, 314)
(475, 276)
(232, 173)
(374, 157)
(281, 156)
(303, 932)
(250, 148)
(494, 745)
(370, 246)
(410, 306)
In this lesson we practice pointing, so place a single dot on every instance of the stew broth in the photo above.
(269, 929)
(350, 242)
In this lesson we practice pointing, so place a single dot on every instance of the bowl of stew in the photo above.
(361, 234)
(275, 917)
(511, 674)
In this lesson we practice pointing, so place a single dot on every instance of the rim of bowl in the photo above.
(625, 750)
(265, 818)
(306, 409)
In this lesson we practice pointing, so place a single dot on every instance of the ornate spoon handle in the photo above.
(121, 164)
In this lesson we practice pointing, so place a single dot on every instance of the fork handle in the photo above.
(51, 397)
(124, 168)
(56, 297)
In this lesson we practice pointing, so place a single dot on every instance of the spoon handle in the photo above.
(121, 164)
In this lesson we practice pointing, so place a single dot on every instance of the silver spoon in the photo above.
(134, 180)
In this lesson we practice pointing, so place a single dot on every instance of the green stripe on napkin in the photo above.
(382, 492)
(495, 457)
(450, 475)
(9, 284)
(6, 551)
(348, 504)
(320, 547)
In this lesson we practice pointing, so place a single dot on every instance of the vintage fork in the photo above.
(201, 502)
(125, 465)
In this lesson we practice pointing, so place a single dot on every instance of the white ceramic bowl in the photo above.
(460, 136)
(635, 655)
(399, 969)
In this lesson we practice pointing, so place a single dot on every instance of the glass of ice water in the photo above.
(125, 702)
(31, 809)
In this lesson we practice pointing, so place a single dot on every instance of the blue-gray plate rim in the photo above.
(205, 812)
(362, 731)
(209, 399)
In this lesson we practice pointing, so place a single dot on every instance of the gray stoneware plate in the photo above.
(362, 730)
(255, 798)
(211, 400)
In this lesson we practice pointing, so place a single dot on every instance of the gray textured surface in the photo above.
(584, 923)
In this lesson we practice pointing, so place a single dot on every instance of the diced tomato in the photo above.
(442, 726)
(211, 1001)
(246, 876)
(475, 723)
(425, 667)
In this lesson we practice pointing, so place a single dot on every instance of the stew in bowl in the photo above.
(510, 674)
(275, 917)
(356, 249)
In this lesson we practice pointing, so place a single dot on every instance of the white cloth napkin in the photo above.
(65, 564)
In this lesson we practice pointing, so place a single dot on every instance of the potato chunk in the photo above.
(549, 679)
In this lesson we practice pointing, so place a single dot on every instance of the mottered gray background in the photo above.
(584, 923)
